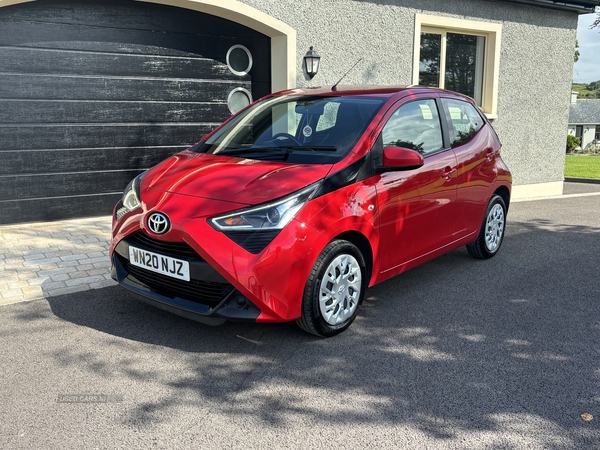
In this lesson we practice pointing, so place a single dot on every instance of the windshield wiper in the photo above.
(277, 149)
(312, 148)
(238, 151)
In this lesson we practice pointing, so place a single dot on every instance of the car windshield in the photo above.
(299, 129)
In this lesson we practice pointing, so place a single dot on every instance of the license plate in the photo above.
(171, 267)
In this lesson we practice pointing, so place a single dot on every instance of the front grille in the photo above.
(197, 291)
(175, 249)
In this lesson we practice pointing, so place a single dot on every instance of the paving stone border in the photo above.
(40, 260)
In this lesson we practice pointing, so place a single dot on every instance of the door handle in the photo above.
(448, 173)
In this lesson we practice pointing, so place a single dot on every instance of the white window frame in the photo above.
(492, 33)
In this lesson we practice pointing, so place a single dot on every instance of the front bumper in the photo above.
(272, 280)
(206, 298)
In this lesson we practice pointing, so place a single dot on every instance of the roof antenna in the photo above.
(334, 87)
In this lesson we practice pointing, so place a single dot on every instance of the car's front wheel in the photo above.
(334, 290)
(491, 233)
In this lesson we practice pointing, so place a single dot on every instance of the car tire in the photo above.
(334, 290)
(492, 230)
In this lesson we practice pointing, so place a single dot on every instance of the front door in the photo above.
(416, 206)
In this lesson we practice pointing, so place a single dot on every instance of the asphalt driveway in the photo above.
(457, 353)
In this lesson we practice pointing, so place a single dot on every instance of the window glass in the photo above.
(429, 64)
(465, 121)
(464, 64)
(305, 129)
(238, 99)
(462, 68)
(415, 125)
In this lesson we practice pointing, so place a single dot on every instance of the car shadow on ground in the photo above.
(456, 344)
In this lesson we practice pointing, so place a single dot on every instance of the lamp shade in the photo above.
(311, 62)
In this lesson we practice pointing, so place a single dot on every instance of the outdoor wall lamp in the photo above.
(311, 62)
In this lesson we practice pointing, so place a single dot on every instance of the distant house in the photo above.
(94, 92)
(584, 120)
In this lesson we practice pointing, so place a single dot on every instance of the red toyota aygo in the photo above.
(296, 205)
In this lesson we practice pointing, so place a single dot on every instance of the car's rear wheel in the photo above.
(334, 290)
(492, 230)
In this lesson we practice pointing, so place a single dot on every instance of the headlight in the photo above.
(273, 216)
(131, 195)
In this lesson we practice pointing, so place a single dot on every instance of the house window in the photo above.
(597, 136)
(462, 68)
(459, 55)
(579, 132)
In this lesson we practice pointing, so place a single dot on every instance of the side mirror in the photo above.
(398, 158)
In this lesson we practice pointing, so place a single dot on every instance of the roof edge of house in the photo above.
(578, 6)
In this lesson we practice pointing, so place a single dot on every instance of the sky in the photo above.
(587, 69)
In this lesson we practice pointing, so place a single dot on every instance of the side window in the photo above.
(415, 125)
(464, 121)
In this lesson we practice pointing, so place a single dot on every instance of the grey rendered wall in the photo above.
(535, 64)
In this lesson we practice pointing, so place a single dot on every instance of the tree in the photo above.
(572, 143)
(597, 21)
(577, 54)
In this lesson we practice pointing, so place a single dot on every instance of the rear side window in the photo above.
(464, 121)
(415, 125)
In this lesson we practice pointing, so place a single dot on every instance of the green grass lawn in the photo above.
(582, 166)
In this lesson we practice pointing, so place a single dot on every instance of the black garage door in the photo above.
(94, 92)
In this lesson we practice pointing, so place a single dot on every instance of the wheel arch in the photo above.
(503, 192)
(363, 245)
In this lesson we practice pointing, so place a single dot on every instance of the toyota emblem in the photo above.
(158, 223)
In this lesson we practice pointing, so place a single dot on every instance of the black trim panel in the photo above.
(252, 241)
(234, 307)
(356, 171)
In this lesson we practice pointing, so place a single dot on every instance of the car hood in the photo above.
(231, 179)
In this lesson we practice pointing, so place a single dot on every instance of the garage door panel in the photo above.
(65, 184)
(66, 111)
(74, 62)
(58, 208)
(125, 14)
(111, 88)
(90, 159)
(49, 137)
(31, 34)
(108, 46)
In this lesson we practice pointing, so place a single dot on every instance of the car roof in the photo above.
(380, 91)
(375, 91)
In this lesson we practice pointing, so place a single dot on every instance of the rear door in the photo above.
(475, 149)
